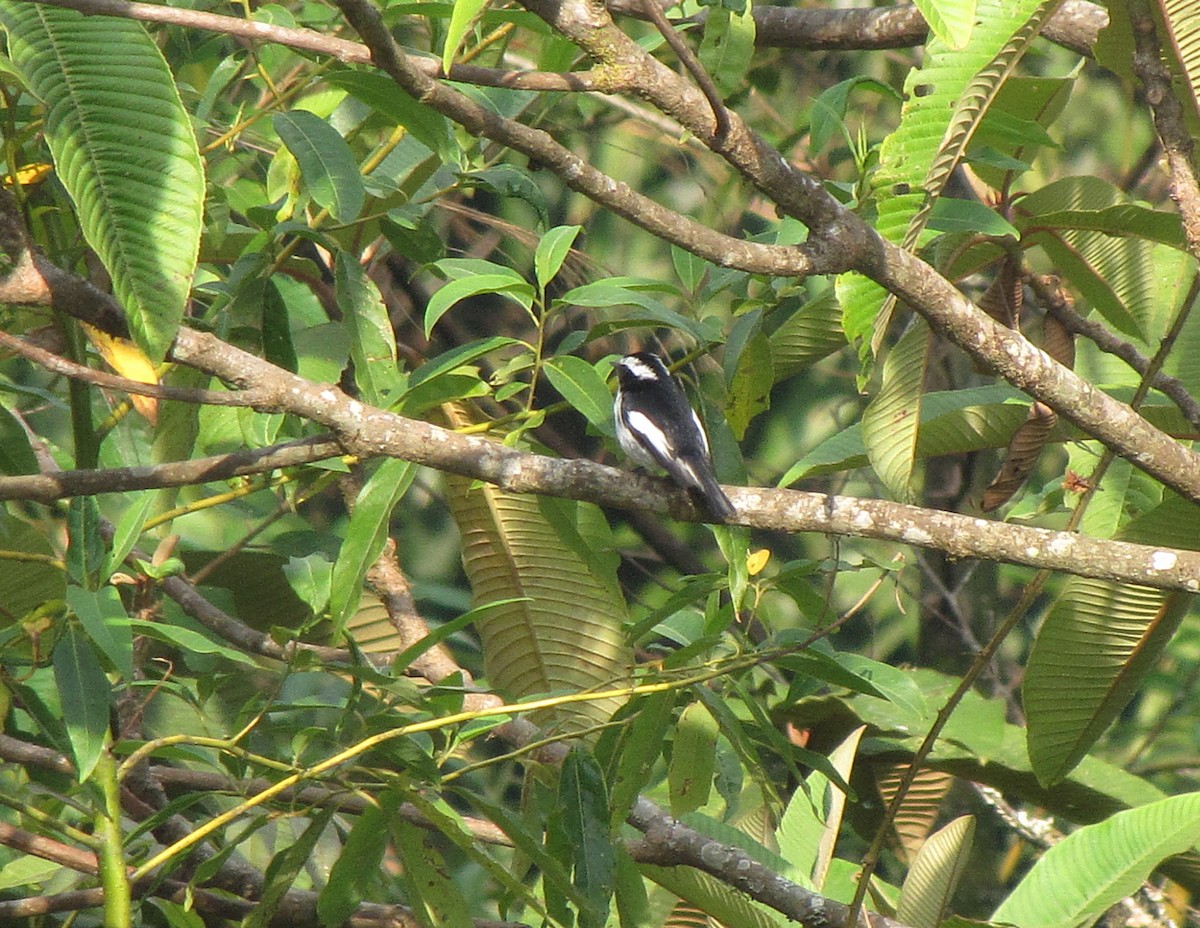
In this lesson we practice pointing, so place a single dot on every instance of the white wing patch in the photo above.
(703, 434)
(650, 434)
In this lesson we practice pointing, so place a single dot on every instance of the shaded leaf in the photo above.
(366, 535)
(693, 756)
(357, 868)
(436, 901)
(327, 165)
(922, 803)
(891, 420)
(1097, 644)
(124, 148)
(84, 692)
(934, 875)
(584, 817)
(1024, 449)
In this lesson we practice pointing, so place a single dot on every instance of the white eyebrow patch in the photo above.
(639, 368)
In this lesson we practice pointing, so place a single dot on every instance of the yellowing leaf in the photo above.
(756, 561)
(128, 360)
(29, 174)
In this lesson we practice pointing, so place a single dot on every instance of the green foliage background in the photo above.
(307, 211)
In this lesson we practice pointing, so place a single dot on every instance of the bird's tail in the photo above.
(714, 497)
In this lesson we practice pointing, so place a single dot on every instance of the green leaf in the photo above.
(503, 282)
(583, 388)
(636, 747)
(311, 578)
(811, 333)
(1114, 272)
(188, 640)
(106, 622)
(583, 807)
(1096, 867)
(85, 545)
(727, 48)
(809, 826)
(126, 533)
(934, 875)
(1153, 225)
(377, 90)
(1097, 644)
(462, 18)
(357, 868)
(276, 329)
(945, 101)
(327, 165)
(950, 20)
(125, 151)
(372, 339)
(829, 109)
(365, 536)
(693, 759)
(16, 453)
(552, 251)
(749, 393)
(459, 357)
(84, 693)
(891, 420)
(436, 901)
(953, 215)
(285, 867)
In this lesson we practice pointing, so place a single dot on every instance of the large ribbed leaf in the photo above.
(567, 634)
(123, 148)
(891, 420)
(809, 334)
(944, 101)
(1115, 270)
(952, 422)
(1098, 642)
(922, 804)
(1098, 866)
(1096, 645)
(1181, 23)
(812, 821)
(934, 875)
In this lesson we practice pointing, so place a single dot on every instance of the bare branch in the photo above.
(1172, 387)
(60, 365)
(668, 842)
(1178, 145)
(62, 484)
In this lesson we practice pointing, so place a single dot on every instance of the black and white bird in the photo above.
(657, 427)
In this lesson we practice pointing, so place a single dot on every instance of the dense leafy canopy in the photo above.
(324, 605)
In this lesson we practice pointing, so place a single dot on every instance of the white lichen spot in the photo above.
(1163, 560)
(1032, 551)
(327, 395)
(1193, 585)
(916, 536)
(1060, 545)
(863, 519)
(355, 407)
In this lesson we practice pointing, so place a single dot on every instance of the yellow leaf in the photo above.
(29, 174)
(128, 360)
(756, 561)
